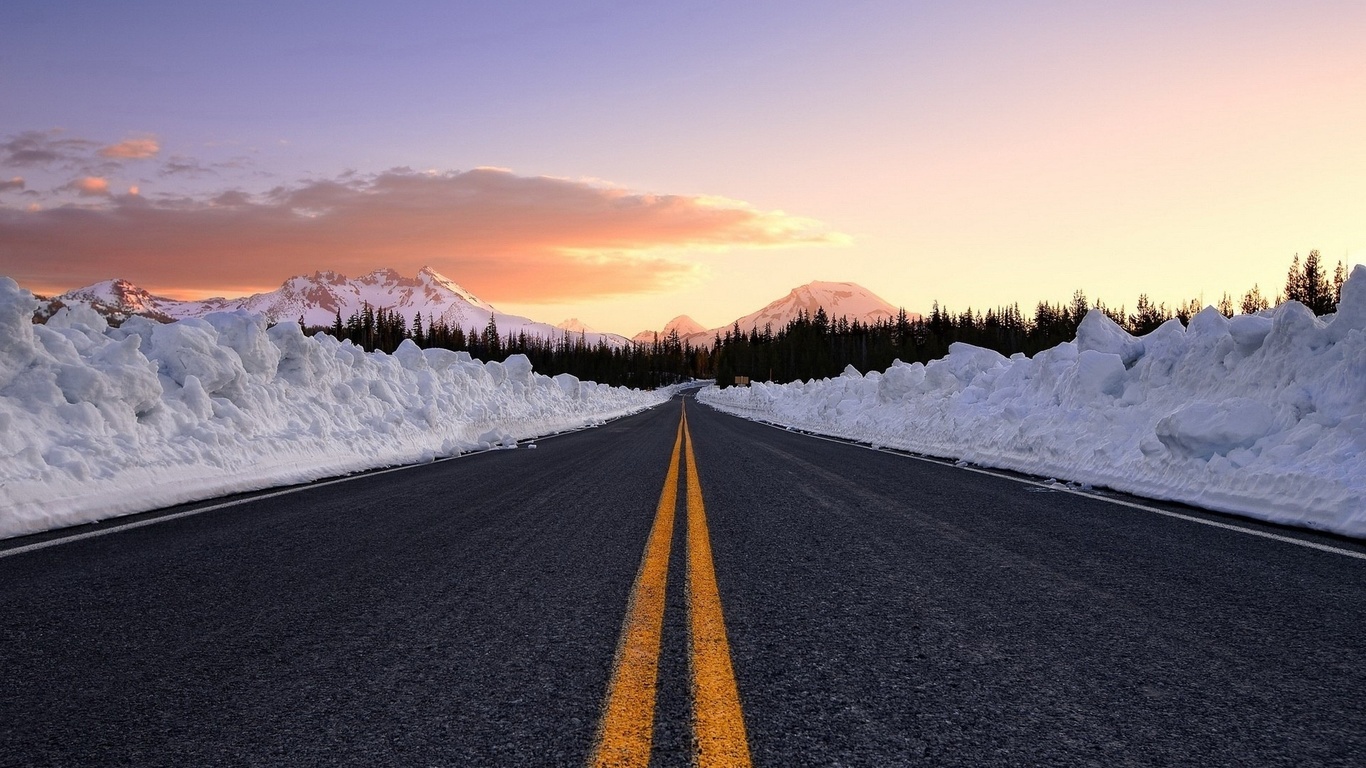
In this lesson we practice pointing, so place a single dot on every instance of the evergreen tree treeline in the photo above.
(645, 366)
(815, 345)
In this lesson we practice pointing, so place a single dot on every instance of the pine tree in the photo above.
(1309, 285)
(902, 329)
(1186, 312)
(1294, 281)
(1254, 301)
(491, 338)
(1317, 288)
(1147, 316)
(725, 372)
(1079, 309)
(1226, 305)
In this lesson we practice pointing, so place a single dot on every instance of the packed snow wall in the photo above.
(1260, 415)
(97, 421)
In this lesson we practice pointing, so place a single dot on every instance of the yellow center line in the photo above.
(627, 727)
(718, 723)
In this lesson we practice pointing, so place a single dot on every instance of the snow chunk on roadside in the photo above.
(1099, 373)
(1351, 314)
(1203, 430)
(1098, 332)
(18, 344)
(1249, 331)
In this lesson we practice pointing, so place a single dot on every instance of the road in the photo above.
(878, 610)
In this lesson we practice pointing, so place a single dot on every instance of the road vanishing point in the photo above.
(677, 588)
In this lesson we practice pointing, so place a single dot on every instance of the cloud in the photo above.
(508, 237)
(39, 148)
(15, 183)
(132, 149)
(238, 162)
(54, 150)
(182, 165)
(90, 186)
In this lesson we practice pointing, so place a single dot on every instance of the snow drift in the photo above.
(98, 421)
(1261, 415)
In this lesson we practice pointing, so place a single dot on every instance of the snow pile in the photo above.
(1261, 415)
(97, 422)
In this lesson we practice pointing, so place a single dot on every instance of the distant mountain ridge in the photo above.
(319, 297)
(686, 327)
(849, 300)
(575, 325)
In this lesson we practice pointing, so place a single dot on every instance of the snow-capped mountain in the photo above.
(849, 300)
(686, 327)
(319, 297)
(575, 325)
(122, 298)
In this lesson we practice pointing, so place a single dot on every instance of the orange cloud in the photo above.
(91, 186)
(132, 149)
(15, 183)
(507, 237)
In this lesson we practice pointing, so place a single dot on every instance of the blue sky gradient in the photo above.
(1173, 148)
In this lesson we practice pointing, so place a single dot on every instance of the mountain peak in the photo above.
(575, 325)
(837, 299)
(684, 325)
(830, 285)
(117, 292)
(322, 296)
(327, 277)
(384, 276)
(431, 277)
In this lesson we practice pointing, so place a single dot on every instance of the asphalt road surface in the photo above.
(879, 610)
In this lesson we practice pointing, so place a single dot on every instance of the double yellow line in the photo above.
(627, 727)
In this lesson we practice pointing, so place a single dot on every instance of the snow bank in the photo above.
(1261, 415)
(97, 421)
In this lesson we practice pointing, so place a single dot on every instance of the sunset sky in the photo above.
(625, 162)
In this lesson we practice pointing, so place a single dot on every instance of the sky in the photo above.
(624, 163)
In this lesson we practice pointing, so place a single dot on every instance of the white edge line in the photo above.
(320, 484)
(1062, 489)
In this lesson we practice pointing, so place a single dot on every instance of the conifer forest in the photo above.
(813, 346)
